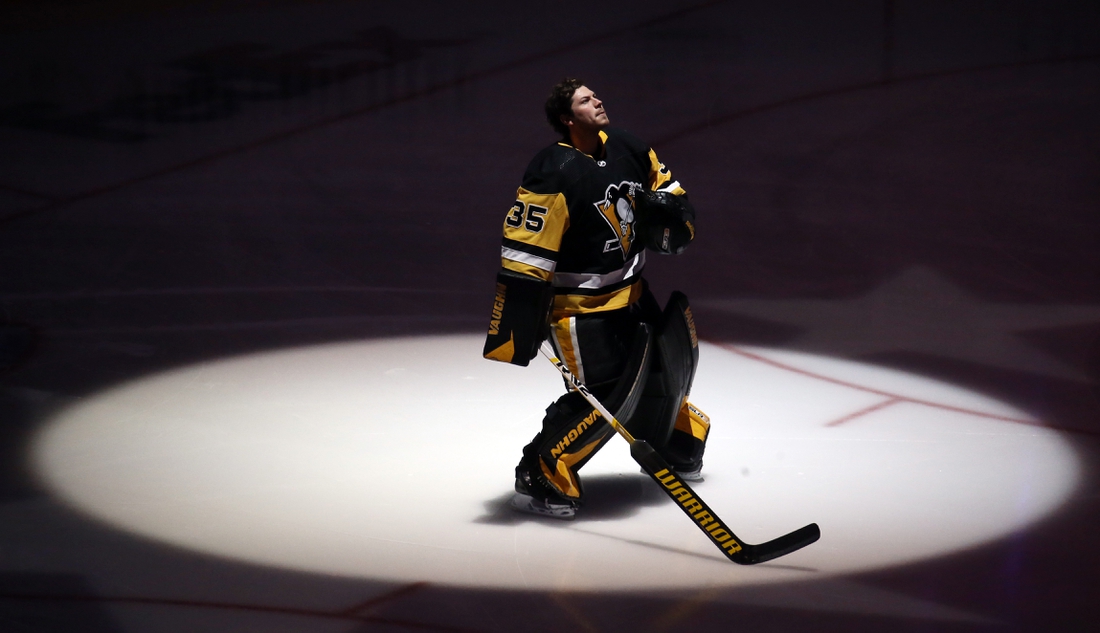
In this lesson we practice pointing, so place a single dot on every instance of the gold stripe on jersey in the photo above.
(525, 269)
(565, 305)
(660, 177)
(538, 219)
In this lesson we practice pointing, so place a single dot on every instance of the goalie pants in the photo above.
(596, 347)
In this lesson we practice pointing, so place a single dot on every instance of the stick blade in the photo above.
(770, 550)
(706, 520)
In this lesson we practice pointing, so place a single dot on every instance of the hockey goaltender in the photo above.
(589, 209)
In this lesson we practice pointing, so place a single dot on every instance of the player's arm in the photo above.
(520, 320)
(666, 218)
(660, 178)
(533, 230)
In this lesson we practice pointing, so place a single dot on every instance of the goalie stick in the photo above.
(676, 488)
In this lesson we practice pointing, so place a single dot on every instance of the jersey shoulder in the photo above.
(551, 169)
(626, 140)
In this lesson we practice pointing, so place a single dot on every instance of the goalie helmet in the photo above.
(666, 221)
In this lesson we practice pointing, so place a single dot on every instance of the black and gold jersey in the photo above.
(573, 222)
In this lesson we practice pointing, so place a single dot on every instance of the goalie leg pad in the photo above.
(678, 344)
(670, 382)
(573, 431)
(685, 447)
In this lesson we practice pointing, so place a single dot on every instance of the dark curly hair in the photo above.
(560, 102)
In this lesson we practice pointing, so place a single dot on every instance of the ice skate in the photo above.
(534, 495)
(691, 473)
(524, 502)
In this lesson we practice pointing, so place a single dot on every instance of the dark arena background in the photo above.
(247, 253)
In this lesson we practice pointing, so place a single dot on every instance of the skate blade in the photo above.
(529, 505)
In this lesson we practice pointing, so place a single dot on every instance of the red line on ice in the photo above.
(887, 394)
(862, 412)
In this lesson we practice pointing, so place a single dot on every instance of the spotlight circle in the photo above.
(392, 459)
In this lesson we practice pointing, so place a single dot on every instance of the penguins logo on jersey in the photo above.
(617, 207)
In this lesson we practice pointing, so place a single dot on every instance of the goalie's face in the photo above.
(588, 112)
